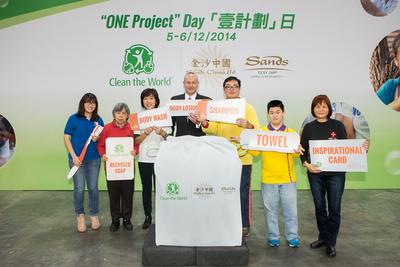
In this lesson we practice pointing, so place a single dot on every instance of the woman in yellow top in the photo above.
(227, 130)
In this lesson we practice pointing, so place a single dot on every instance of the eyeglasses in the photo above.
(230, 87)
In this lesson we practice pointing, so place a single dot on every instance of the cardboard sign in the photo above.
(120, 164)
(159, 117)
(225, 110)
(347, 155)
(269, 140)
(182, 107)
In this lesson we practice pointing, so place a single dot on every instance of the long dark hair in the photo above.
(88, 98)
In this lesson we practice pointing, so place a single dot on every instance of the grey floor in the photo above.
(37, 228)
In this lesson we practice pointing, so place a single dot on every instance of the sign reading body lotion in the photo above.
(346, 155)
(120, 165)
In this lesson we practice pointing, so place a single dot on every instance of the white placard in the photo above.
(226, 110)
(269, 140)
(159, 117)
(182, 107)
(339, 155)
(120, 163)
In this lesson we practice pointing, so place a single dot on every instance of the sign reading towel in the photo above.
(197, 196)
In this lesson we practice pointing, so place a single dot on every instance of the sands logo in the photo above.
(266, 66)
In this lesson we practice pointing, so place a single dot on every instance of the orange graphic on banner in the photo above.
(201, 108)
(133, 122)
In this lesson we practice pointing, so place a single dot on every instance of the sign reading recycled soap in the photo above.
(120, 165)
(182, 107)
(339, 155)
(223, 110)
(159, 117)
(269, 140)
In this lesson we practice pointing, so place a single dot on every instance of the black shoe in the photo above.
(114, 226)
(128, 225)
(330, 251)
(147, 222)
(317, 244)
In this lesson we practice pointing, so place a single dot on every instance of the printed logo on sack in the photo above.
(227, 190)
(266, 66)
(204, 191)
(173, 192)
(173, 189)
(138, 59)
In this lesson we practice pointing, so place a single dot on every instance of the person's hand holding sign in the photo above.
(311, 167)
(244, 123)
(299, 150)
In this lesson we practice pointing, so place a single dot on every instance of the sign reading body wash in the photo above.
(339, 155)
(225, 110)
(159, 117)
(120, 165)
(269, 140)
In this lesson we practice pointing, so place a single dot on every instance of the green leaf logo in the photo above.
(173, 189)
(138, 59)
(119, 149)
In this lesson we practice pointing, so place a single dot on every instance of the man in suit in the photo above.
(183, 125)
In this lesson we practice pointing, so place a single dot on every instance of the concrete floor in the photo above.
(37, 228)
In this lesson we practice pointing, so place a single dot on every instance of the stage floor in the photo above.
(37, 228)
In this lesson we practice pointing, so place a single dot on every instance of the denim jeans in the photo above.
(89, 173)
(245, 195)
(286, 194)
(330, 187)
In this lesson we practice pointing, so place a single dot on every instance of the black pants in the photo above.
(121, 199)
(148, 179)
(324, 187)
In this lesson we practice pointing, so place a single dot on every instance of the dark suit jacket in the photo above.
(182, 125)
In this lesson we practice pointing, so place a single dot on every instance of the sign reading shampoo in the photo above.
(347, 155)
(119, 165)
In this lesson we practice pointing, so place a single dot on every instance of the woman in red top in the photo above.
(120, 192)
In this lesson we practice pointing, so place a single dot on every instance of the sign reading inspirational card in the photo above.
(269, 140)
(339, 155)
(225, 110)
(120, 165)
(182, 107)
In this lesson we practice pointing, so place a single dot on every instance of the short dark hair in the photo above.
(88, 98)
(319, 99)
(396, 45)
(275, 103)
(148, 92)
(231, 78)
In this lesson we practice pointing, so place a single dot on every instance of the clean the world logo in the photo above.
(138, 59)
(173, 189)
(119, 149)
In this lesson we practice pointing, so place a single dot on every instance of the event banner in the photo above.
(278, 49)
(159, 117)
(269, 140)
(347, 155)
(120, 164)
(224, 110)
(182, 107)
(198, 205)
